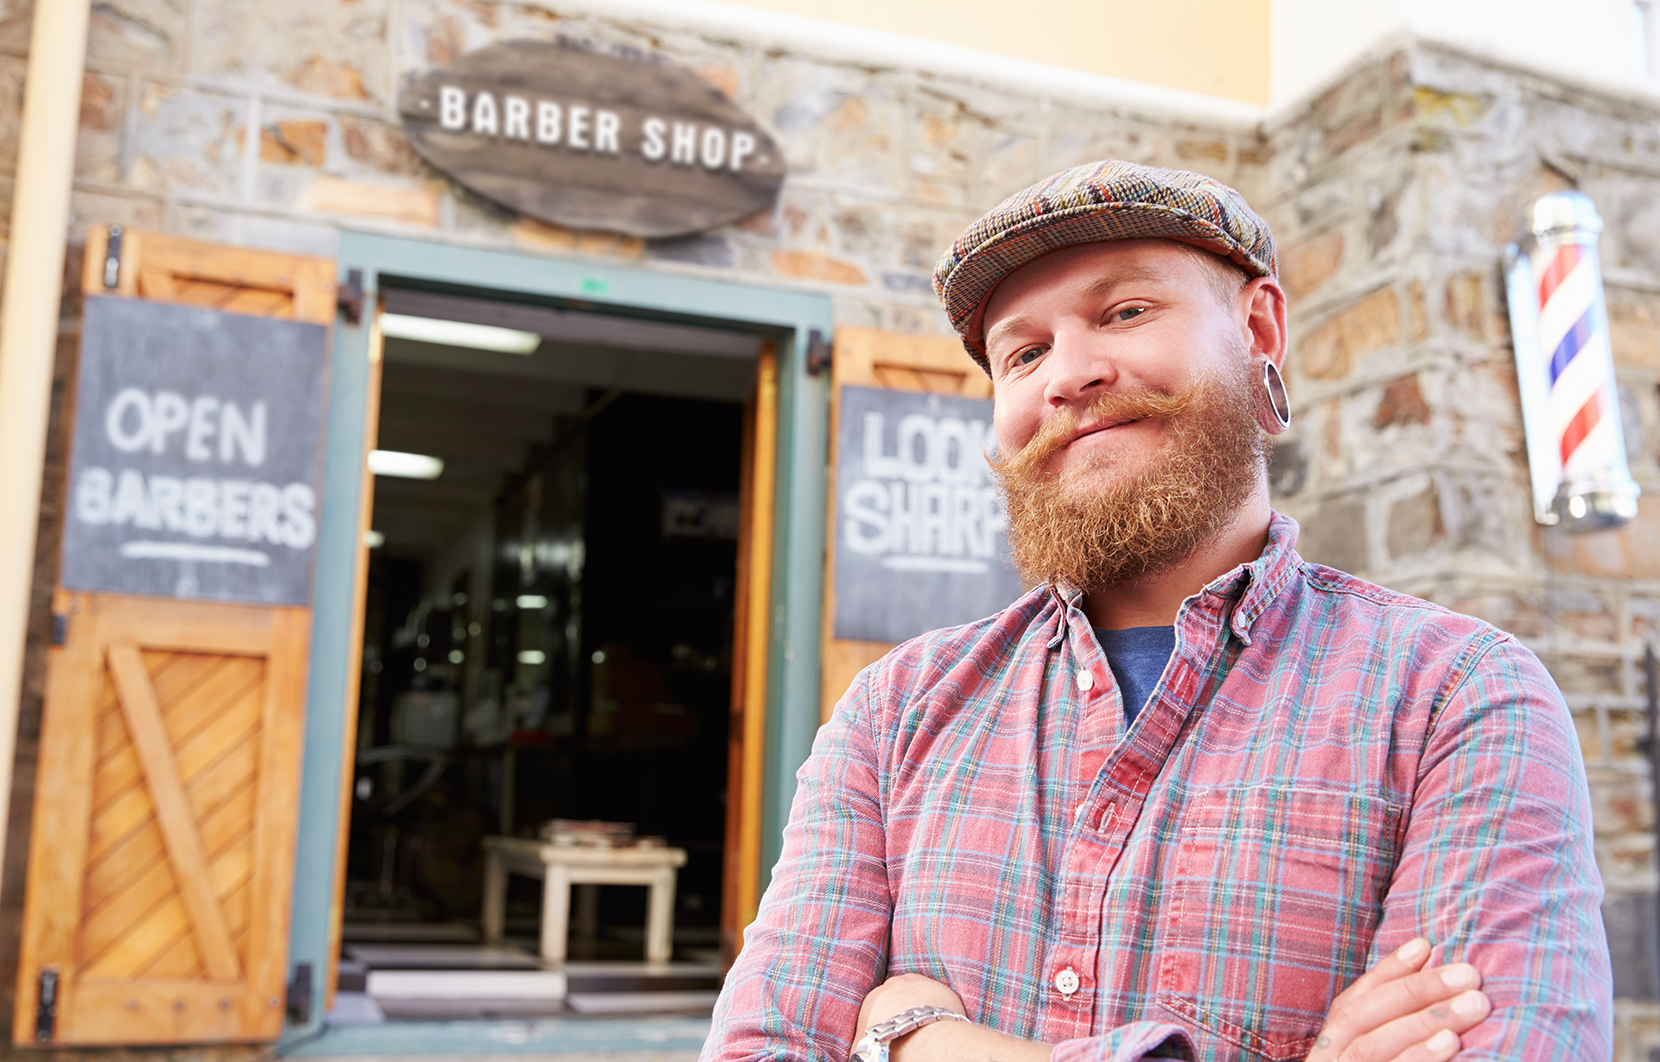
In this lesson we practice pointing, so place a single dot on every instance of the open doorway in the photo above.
(548, 653)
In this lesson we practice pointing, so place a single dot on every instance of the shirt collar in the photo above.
(1252, 587)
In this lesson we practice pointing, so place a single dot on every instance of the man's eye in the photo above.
(1129, 313)
(1027, 356)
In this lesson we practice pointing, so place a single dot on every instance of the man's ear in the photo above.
(1264, 304)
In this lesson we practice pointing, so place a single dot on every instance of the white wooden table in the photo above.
(560, 867)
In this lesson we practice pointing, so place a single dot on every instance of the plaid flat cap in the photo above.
(1107, 200)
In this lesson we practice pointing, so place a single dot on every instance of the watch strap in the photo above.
(873, 1046)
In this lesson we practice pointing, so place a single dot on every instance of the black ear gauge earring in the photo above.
(1273, 406)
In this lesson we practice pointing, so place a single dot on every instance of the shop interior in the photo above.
(547, 651)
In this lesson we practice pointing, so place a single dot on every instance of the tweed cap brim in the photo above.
(1107, 200)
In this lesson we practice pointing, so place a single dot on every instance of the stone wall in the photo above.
(1393, 195)
(271, 125)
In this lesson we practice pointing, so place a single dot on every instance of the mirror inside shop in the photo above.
(547, 661)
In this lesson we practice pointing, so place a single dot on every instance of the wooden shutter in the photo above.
(867, 357)
(162, 854)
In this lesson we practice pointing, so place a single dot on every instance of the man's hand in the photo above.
(943, 1041)
(1399, 1012)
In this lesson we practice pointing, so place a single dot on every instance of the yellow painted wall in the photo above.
(1218, 47)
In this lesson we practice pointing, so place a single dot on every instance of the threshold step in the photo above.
(538, 985)
(641, 1002)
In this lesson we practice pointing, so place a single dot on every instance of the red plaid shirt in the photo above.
(1326, 770)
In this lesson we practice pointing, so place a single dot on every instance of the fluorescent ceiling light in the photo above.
(374, 539)
(531, 601)
(459, 334)
(532, 656)
(405, 466)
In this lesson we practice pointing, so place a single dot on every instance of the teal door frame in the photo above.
(792, 711)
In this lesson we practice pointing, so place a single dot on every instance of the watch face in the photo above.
(870, 1050)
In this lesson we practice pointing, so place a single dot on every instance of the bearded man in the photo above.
(1192, 796)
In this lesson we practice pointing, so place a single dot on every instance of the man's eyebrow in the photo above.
(1007, 324)
(1129, 274)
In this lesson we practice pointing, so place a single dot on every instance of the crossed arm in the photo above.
(1398, 1011)
(1495, 867)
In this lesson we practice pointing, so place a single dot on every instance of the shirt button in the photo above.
(1066, 982)
(1086, 681)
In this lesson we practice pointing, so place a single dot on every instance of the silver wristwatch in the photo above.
(873, 1046)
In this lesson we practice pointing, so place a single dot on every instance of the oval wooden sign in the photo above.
(592, 140)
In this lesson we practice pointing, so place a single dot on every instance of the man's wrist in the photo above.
(928, 1042)
(961, 1041)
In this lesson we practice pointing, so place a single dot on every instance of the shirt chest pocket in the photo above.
(1274, 900)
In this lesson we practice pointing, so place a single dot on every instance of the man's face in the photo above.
(1125, 317)
(1123, 382)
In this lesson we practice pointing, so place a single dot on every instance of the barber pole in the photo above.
(1565, 369)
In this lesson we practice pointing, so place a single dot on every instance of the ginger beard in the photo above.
(1069, 527)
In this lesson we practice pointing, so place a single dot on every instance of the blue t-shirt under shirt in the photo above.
(1137, 656)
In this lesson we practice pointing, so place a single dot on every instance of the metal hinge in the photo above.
(299, 994)
(112, 258)
(818, 353)
(46, 1006)
(349, 297)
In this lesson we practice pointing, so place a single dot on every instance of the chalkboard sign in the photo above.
(195, 465)
(594, 138)
(920, 539)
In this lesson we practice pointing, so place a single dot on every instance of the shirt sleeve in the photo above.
(1497, 867)
(819, 941)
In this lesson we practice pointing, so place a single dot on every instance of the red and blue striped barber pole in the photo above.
(1565, 369)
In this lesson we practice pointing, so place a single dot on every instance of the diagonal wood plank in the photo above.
(178, 825)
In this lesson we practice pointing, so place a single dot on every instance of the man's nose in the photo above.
(1078, 368)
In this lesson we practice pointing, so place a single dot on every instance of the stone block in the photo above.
(185, 140)
(1583, 675)
(294, 142)
(1414, 525)
(1645, 619)
(13, 71)
(964, 156)
(1466, 303)
(837, 123)
(1417, 312)
(1626, 728)
(809, 265)
(319, 47)
(1402, 402)
(1634, 328)
(1627, 861)
(1630, 552)
(1636, 227)
(135, 210)
(1330, 351)
(1448, 108)
(1619, 804)
(266, 232)
(530, 232)
(1307, 264)
(98, 138)
(336, 195)
(1588, 729)
(1334, 534)
(377, 146)
(139, 34)
(1629, 918)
